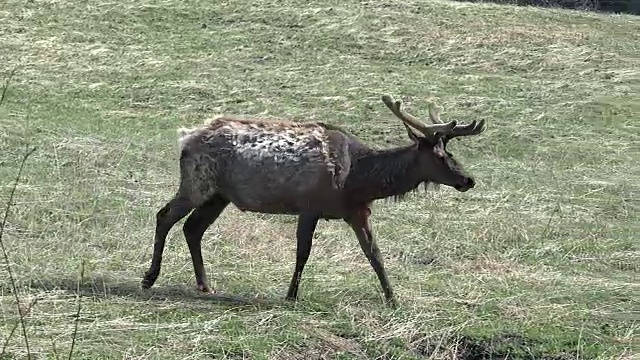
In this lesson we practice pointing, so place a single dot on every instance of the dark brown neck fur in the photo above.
(378, 174)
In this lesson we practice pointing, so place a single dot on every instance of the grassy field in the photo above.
(540, 260)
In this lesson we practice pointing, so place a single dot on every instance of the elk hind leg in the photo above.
(194, 228)
(169, 215)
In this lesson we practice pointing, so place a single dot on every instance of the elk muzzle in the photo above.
(467, 183)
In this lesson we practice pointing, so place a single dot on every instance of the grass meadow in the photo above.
(539, 261)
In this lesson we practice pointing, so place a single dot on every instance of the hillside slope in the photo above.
(540, 260)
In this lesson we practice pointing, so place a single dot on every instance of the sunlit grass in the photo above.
(539, 260)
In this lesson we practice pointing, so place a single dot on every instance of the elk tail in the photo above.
(183, 135)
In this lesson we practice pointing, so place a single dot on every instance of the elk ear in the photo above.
(412, 135)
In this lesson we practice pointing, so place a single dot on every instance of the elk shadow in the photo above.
(103, 287)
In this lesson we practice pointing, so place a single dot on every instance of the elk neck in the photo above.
(378, 174)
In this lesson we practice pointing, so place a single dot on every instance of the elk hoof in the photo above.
(146, 283)
(205, 289)
(149, 278)
(392, 303)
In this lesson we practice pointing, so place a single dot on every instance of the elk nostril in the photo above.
(470, 182)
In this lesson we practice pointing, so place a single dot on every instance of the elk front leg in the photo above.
(361, 225)
(194, 228)
(168, 216)
(304, 234)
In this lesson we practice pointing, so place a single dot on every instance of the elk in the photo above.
(313, 170)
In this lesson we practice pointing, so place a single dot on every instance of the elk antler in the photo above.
(474, 128)
(428, 130)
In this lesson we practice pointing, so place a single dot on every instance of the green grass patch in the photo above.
(540, 260)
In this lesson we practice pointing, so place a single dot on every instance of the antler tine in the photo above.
(474, 128)
(428, 130)
(395, 107)
(434, 113)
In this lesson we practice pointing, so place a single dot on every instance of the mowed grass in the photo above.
(540, 260)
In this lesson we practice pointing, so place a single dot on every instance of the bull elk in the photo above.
(313, 170)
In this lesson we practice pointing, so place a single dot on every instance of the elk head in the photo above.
(435, 164)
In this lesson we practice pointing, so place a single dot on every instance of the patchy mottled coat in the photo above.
(265, 166)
